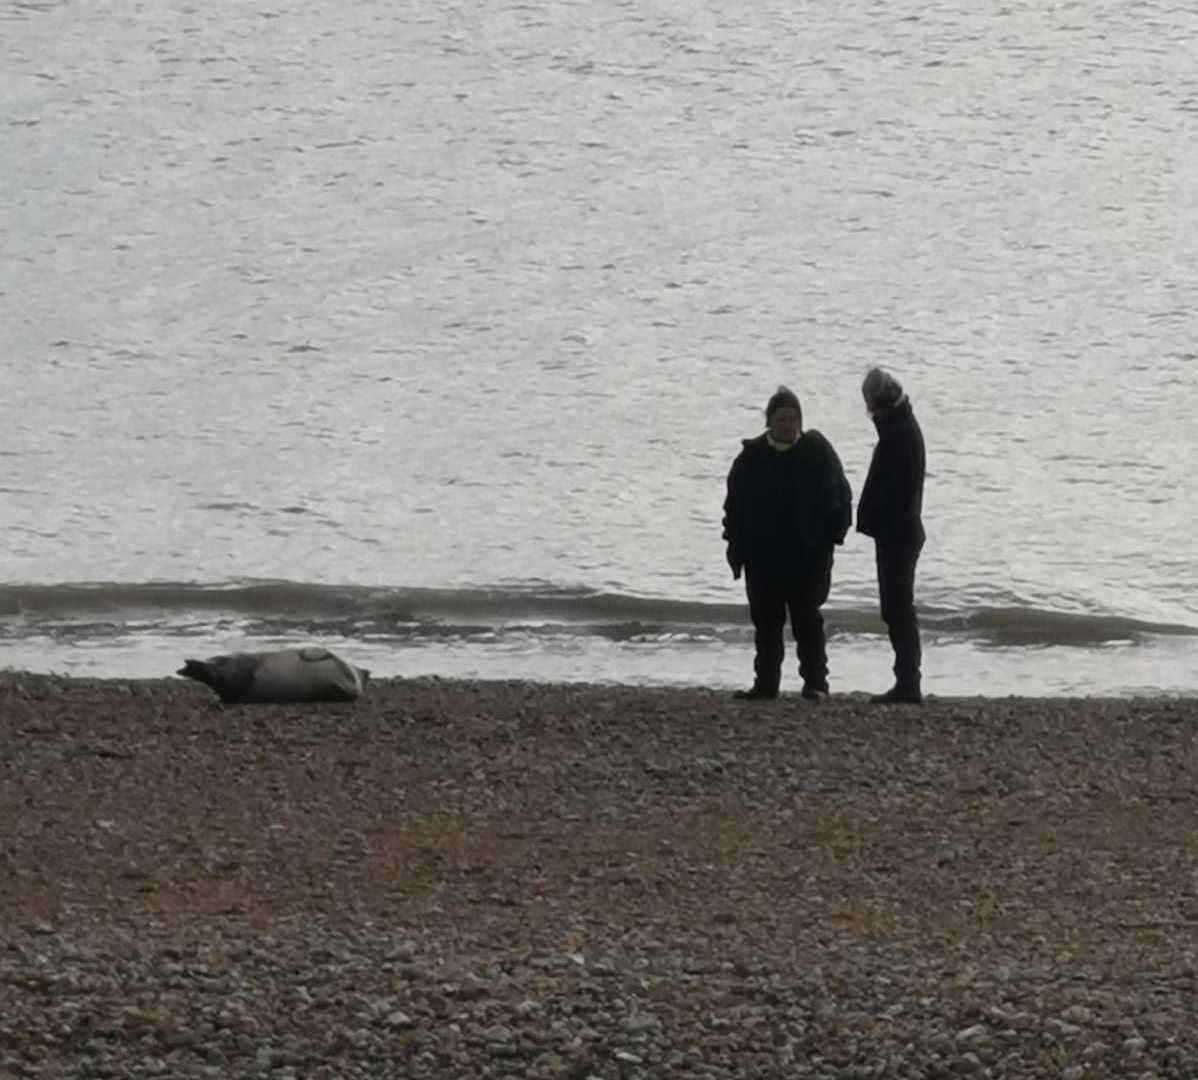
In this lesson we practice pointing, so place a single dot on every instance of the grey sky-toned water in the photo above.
(434, 295)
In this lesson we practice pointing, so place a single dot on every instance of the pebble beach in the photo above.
(468, 879)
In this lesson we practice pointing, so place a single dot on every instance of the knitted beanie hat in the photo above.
(783, 398)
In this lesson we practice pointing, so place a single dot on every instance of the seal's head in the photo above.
(200, 670)
(230, 676)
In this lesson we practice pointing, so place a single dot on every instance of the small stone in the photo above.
(473, 988)
(399, 1019)
(641, 1024)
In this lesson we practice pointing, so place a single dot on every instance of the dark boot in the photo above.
(756, 693)
(814, 691)
(899, 694)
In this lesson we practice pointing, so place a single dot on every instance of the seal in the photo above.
(281, 677)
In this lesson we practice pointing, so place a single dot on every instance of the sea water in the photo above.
(429, 331)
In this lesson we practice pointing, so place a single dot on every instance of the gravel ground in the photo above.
(513, 880)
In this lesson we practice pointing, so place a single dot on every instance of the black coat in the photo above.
(786, 507)
(891, 503)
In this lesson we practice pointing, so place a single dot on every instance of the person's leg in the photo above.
(896, 593)
(767, 609)
(809, 594)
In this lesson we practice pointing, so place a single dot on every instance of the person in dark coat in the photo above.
(891, 511)
(788, 506)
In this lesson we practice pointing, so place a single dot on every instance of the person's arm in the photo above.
(909, 469)
(840, 498)
(833, 513)
(733, 519)
(875, 494)
(886, 505)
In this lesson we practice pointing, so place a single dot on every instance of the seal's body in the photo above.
(288, 675)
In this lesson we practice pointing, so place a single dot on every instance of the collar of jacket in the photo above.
(780, 447)
(894, 415)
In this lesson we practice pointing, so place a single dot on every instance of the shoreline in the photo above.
(955, 667)
(750, 889)
(39, 684)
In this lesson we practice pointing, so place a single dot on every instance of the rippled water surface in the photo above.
(408, 294)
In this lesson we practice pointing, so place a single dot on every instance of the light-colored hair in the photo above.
(880, 389)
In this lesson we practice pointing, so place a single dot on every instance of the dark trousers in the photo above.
(801, 592)
(896, 590)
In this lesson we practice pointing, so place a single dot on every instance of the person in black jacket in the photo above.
(788, 505)
(891, 511)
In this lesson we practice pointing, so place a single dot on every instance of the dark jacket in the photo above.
(891, 503)
(785, 506)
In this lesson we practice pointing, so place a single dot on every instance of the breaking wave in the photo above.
(281, 608)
